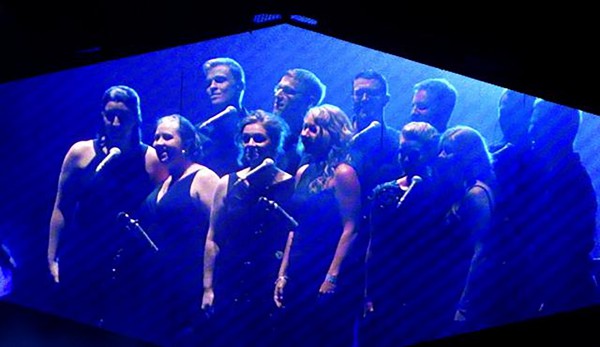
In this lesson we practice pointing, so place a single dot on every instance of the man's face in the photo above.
(221, 87)
(290, 99)
(512, 115)
(423, 109)
(369, 99)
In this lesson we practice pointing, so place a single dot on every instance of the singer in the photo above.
(419, 243)
(225, 85)
(294, 94)
(246, 240)
(316, 281)
(374, 147)
(84, 235)
(176, 217)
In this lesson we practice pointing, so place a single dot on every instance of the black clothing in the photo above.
(220, 150)
(314, 319)
(169, 281)
(417, 263)
(93, 239)
(251, 242)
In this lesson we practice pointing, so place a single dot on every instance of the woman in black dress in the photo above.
(318, 278)
(247, 235)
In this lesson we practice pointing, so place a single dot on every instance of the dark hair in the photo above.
(373, 75)
(131, 99)
(276, 127)
(189, 136)
(126, 95)
(563, 120)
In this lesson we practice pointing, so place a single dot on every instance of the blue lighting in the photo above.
(303, 19)
(266, 17)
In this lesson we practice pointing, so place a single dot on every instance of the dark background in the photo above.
(547, 52)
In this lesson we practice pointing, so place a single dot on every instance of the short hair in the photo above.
(131, 99)
(314, 88)
(189, 136)
(424, 133)
(236, 68)
(563, 119)
(443, 93)
(276, 127)
(371, 74)
(126, 95)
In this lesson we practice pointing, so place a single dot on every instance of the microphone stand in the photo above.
(133, 224)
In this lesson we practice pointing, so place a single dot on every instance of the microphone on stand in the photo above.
(374, 124)
(268, 162)
(131, 223)
(227, 111)
(415, 179)
(112, 154)
(275, 206)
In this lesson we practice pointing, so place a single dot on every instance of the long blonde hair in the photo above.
(337, 123)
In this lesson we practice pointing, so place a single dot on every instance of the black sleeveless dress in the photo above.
(251, 243)
(170, 280)
(90, 246)
(313, 319)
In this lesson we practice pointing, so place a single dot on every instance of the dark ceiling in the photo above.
(545, 52)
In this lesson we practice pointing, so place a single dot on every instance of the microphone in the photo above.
(275, 206)
(415, 179)
(112, 154)
(374, 124)
(227, 111)
(131, 223)
(268, 162)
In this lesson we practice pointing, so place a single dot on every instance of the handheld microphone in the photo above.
(275, 206)
(415, 179)
(131, 223)
(227, 111)
(268, 162)
(112, 154)
(374, 124)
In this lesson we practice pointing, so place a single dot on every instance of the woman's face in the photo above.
(119, 121)
(256, 144)
(448, 165)
(412, 156)
(316, 139)
(167, 141)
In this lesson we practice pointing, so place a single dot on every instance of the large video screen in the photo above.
(547, 212)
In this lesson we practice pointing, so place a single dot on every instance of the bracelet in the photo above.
(281, 278)
(331, 279)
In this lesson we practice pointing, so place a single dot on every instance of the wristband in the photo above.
(331, 279)
(281, 278)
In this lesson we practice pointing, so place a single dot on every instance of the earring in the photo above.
(183, 152)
